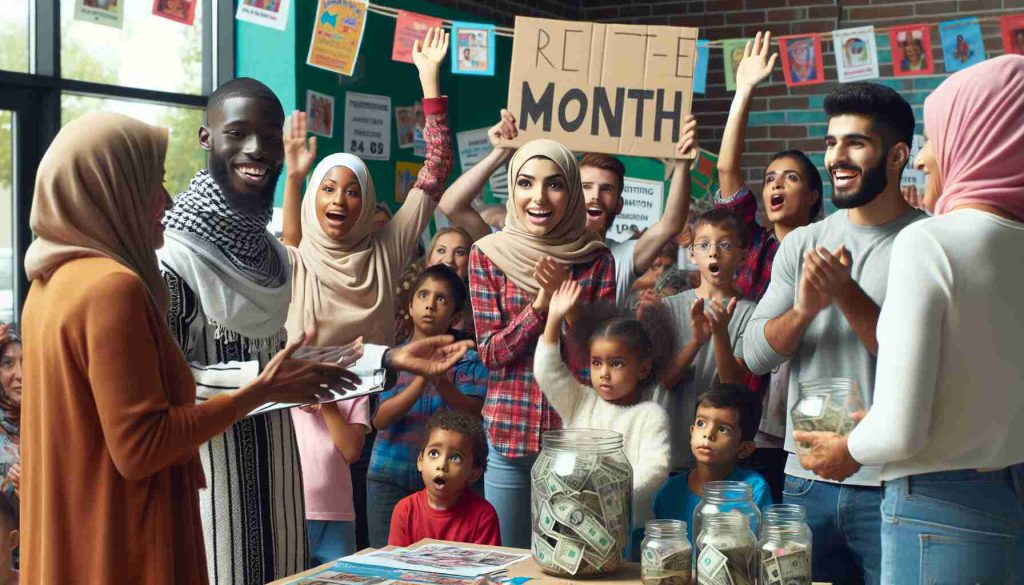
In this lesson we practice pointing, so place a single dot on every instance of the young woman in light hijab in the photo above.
(512, 275)
(947, 423)
(110, 425)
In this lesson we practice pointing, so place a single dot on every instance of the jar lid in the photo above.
(582, 440)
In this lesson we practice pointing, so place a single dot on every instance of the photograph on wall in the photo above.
(1012, 29)
(268, 13)
(911, 50)
(732, 54)
(337, 35)
(105, 12)
(183, 11)
(856, 53)
(320, 113)
(405, 178)
(409, 28)
(962, 45)
(472, 48)
(405, 122)
(700, 67)
(802, 60)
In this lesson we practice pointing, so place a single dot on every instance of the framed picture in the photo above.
(268, 13)
(320, 114)
(856, 53)
(183, 11)
(962, 44)
(1012, 28)
(472, 48)
(802, 60)
(911, 50)
(732, 54)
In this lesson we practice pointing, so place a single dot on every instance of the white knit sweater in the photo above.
(644, 426)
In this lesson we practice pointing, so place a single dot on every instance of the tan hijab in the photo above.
(94, 197)
(515, 250)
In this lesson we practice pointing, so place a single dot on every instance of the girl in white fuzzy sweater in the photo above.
(623, 358)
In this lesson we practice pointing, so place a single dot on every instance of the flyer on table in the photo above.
(105, 12)
(337, 35)
(268, 13)
(856, 53)
(368, 125)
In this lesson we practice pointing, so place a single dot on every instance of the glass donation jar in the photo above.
(785, 546)
(726, 551)
(826, 404)
(665, 557)
(726, 497)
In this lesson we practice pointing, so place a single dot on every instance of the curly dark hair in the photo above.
(459, 422)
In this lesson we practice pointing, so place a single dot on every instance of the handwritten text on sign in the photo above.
(618, 89)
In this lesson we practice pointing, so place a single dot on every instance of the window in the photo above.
(14, 36)
(6, 219)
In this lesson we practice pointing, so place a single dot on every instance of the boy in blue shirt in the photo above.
(722, 433)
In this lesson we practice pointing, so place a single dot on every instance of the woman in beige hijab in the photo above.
(512, 275)
(110, 423)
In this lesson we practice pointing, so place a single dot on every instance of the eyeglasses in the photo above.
(704, 248)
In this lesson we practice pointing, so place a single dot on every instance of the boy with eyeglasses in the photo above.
(710, 320)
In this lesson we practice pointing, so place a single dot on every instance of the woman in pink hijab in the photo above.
(947, 424)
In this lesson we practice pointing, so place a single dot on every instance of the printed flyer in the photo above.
(337, 35)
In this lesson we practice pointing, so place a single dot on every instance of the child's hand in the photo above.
(687, 143)
(298, 156)
(564, 300)
(699, 323)
(719, 316)
(427, 56)
(504, 131)
(756, 65)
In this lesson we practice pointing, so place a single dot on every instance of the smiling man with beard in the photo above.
(820, 310)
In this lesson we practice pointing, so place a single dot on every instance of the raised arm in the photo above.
(731, 369)
(677, 206)
(553, 377)
(755, 67)
(299, 156)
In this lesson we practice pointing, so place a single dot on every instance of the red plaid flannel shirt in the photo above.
(507, 328)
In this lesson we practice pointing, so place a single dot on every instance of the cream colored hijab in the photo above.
(94, 196)
(336, 284)
(515, 250)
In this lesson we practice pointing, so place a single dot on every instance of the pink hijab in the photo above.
(976, 121)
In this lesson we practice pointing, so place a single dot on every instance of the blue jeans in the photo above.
(329, 540)
(954, 527)
(507, 486)
(381, 498)
(845, 523)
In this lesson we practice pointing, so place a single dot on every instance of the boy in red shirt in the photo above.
(453, 458)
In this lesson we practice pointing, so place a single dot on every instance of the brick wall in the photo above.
(503, 12)
(783, 118)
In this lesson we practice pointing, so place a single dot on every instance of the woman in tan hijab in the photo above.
(512, 275)
(110, 423)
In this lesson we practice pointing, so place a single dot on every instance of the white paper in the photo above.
(641, 208)
(446, 559)
(911, 176)
(856, 53)
(371, 381)
(473, 147)
(368, 125)
(249, 11)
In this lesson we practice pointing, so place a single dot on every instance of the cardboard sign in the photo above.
(641, 208)
(911, 50)
(368, 125)
(611, 88)
(337, 35)
(856, 54)
(268, 13)
(409, 28)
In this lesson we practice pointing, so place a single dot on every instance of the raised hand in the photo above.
(427, 55)
(564, 299)
(428, 357)
(699, 323)
(756, 65)
(299, 154)
(719, 316)
(688, 144)
(504, 131)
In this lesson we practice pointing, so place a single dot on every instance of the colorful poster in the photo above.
(641, 208)
(405, 177)
(472, 48)
(405, 122)
(410, 27)
(732, 54)
(912, 177)
(473, 146)
(802, 62)
(320, 113)
(1012, 28)
(856, 53)
(911, 50)
(962, 45)
(105, 12)
(268, 13)
(700, 67)
(183, 11)
(368, 125)
(419, 145)
(337, 35)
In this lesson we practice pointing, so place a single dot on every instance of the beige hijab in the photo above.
(94, 197)
(515, 250)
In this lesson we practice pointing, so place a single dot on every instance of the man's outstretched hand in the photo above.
(429, 357)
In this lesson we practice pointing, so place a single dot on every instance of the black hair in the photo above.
(246, 87)
(725, 219)
(739, 398)
(892, 115)
(456, 287)
(9, 509)
(455, 421)
(811, 175)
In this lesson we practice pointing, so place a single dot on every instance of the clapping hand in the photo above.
(756, 65)
(550, 275)
(719, 315)
(699, 323)
(564, 300)
(829, 272)
(299, 154)
(342, 355)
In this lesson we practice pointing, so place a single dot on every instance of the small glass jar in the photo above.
(582, 493)
(826, 404)
(785, 546)
(726, 551)
(665, 557)
(721, 497)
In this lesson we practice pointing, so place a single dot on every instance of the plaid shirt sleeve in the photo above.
(741, 203)
(438, 136)
(499, 342)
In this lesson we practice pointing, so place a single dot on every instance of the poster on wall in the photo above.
(911, 50)
(409, 28)
(368, 125)
(473, 146)
(337, 35)
(912, 177)
(320, 113)
(405, 123)
(405, 177)
(183, 11)
(472, 48)
(641, 208)
(700, 67)
(962, 44)
(856, 53)
(268, 13)
(732, 54)
(802, 62)
(1012, 29)
(105, 12)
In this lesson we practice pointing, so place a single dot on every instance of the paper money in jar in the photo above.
(726, 551)
(789, 565)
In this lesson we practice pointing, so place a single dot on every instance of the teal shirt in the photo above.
(676, 501)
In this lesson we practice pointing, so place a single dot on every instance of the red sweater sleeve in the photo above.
(438, 136)
(401, 518)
